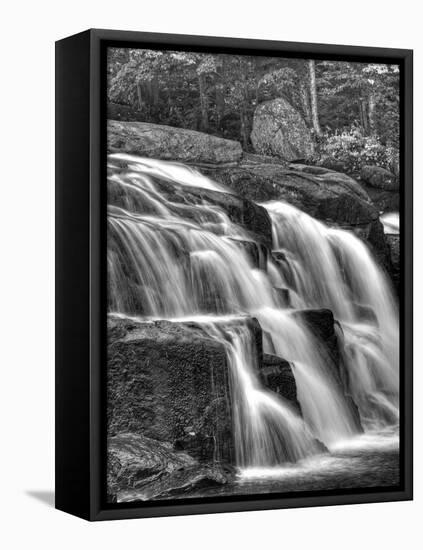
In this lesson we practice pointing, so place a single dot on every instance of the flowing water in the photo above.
(390, 222)
(173, 253)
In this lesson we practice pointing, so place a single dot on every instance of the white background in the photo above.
(28, 32)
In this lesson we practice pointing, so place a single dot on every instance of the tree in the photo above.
(313, 97)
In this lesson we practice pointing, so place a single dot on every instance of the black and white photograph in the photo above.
(211, 232)
(253, 275)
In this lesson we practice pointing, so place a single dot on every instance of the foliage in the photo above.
(353, 149)
(358, 103)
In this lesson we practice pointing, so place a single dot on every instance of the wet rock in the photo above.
(282, 296)
(309, 169)
(170, 143)
(256, 252)
(268, 346)
(178, 483)
(384, 201)
(280, 259)
(394, 252)
(189, 200)
(374, 236)
(277, 375)
(320, 321)
(163, 381)
(380, 178)
(332, 197)
(324, 327)
(134, 459)
(365, 313)
(257, 336)
(279, 256)
(141, 468)
(280, 130)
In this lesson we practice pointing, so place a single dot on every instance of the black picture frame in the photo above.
(80, 288)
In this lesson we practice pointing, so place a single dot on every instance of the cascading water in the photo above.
(335, 270)
(173, 253)
(267, 429)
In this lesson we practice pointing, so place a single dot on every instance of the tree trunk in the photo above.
(203, 103)
(371, 113)
(155, 90)
(220, 103)
(305, 103)
(244, 128)
(313, 97)
(139, 96)
(220, 94)
(363, 116)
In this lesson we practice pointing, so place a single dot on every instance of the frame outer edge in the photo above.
(96, 511)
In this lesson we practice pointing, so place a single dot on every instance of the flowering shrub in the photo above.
(351, 149)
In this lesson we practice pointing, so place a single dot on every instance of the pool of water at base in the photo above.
(370, 460)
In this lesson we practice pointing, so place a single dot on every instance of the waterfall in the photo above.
(267, 430)
(174, 253)
(334, 269)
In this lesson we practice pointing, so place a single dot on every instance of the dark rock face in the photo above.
(256, 252)
(169, 143)
(322, 324)
(169, 381)
(140, 468)
(380, 178)
(384, 201)
(394, 251)
(331, 196)
(375, 236)
(280, 130)
(334, 164)
(276, 374)
(116, 111)
(134, 459)
(283, 296)
(178, 483)
(365, 313)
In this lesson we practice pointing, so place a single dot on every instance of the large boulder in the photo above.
(169, 143)
(169, 381)
(179, 483)
(279, 129)
(379, 177)
(141, 468)
(384, 201)
(134, 459)
(329, 196)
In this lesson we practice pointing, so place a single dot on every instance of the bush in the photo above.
(352, 150)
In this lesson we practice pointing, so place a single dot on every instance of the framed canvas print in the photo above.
(234, 274)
